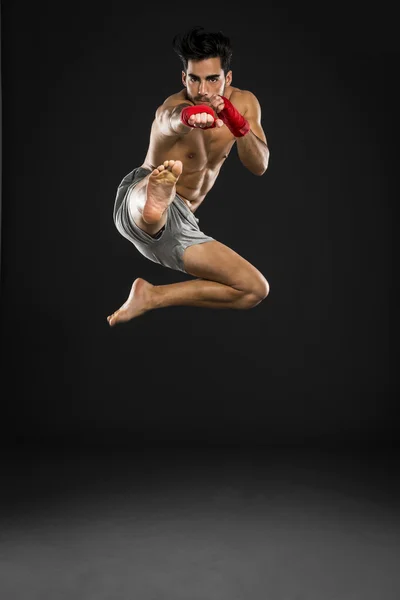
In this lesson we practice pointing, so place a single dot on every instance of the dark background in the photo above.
(196, 454)
(315, 362)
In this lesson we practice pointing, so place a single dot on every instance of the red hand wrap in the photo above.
(194, 110)
(232, 118)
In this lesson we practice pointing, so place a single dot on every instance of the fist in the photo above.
(217, 103)
(200, 116)
(201, 119)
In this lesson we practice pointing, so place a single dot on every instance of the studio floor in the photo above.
(199, 524)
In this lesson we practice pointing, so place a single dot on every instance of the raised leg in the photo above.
(150, 198)
(225, 280)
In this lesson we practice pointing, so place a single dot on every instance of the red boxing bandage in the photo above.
(232, 118)
(194, 110)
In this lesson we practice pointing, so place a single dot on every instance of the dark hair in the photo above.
(198, 44)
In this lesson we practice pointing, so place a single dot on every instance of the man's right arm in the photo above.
(168, 117)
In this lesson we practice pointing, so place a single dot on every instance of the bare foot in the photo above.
(138, 303)
(161, 190)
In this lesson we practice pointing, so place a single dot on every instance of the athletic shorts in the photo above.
(181, 229)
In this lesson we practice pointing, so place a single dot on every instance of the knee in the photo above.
(256, 291)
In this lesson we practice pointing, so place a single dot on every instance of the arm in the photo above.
(245, 125)
(176, 117)
(168, 117)
(252, 148)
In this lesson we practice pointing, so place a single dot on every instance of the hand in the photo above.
(217, 103)
(229, 115)
(202, 120)
(200, 116)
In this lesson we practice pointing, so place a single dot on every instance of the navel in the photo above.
(191, 155)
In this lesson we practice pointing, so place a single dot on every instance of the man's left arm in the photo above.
(253, 148)
(244, 123)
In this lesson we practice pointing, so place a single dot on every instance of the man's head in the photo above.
(206, 59)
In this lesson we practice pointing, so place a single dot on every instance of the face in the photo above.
(205, 78)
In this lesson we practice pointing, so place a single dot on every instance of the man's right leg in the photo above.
(150, 198)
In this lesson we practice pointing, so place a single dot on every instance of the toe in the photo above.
(177, 168)
(113, 320)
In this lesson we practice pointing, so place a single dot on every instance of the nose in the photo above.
(203, 88)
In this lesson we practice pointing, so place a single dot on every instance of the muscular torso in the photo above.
(202, 153)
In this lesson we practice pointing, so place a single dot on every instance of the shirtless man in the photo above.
(191, 136)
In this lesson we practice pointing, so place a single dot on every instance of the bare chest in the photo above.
(199, 150)
(205, 149)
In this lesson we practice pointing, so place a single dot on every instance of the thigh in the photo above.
(217, 262)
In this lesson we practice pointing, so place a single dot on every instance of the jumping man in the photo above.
(192, 134)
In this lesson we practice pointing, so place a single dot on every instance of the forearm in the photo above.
(253, 153)
(169, 120)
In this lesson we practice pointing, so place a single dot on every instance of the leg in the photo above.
(150, 198)
(226, 280)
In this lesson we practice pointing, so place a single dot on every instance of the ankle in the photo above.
(155, 297)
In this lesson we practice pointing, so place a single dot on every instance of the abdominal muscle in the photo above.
(194, 186)
(202, 154)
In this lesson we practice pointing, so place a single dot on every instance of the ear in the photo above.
(228, 78)
(184, 78)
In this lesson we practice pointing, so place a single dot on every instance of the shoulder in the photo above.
(174, 100)
(244, 100)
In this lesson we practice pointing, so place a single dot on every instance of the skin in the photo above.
(187, 161)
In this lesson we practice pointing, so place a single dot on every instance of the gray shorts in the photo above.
(167, 247)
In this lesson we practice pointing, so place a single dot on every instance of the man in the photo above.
(191, 136)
